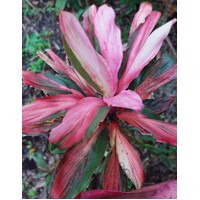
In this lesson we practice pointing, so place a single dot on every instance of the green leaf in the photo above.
(54, 150)
(39, 160)
(31, 193)
(150, 114)
(79, 67)
(89, 165)
(103, 111)
(60, 4)
(48, 180)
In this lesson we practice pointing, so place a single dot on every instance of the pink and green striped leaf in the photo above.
(163, 132)
(64, 70)
(152, 83)
(75, 170)
(79, 122)
(41, 115)
(90, 65)
(135, 43)
(51, 84)
(145, 54)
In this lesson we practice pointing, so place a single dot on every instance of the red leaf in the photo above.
(112, 179)
(151, 83)
(165, 190)
(68, 168)
(163, 132)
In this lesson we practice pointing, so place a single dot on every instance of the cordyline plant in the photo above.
(93, 98)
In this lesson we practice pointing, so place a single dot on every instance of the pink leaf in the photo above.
(39, 116)
(76, 122)
(109, 38)
(125, 99)
(163, 132)
(84, 56)
(128, 158)
(145, 54)
(55, 62)
(88, 17)
(42, 82)
(63, 69)
(165, 190)
(139, 18)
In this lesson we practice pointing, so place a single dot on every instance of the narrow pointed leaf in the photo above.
(139, 18)
(43, 82)
(163, 132)
(148, 51)
(152, 83)
(128, 158)
(55, 62)
(76, 122)
(95, 157)
(77, 134)
(64, 70)
(159, 105)
(39, 116)
(91, 66)
(109, 38)
(88, 17)
(160, 74)
(112, 179)
(125, 99)
(165, 190)
(77, 166)
(136, 42)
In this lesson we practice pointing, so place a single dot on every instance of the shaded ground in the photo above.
(40, 28)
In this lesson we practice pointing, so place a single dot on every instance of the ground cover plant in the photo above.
(98, 106)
